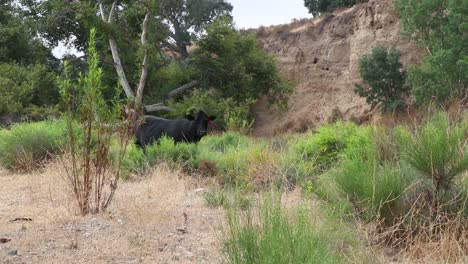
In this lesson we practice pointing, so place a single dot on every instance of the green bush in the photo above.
(384, 79)
(440, 26)
(373, 184)
(26, 86)
(438, 151)
(273, 234)
(236, 66)
(25, 145)
(323, 147)
(316, 7)
(235, 116)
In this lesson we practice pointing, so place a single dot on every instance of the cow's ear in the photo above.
(190, 117)
(211, 119)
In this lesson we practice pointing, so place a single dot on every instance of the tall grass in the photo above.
(272, 234)
(438, 151)
(26, 145)
(372, 184)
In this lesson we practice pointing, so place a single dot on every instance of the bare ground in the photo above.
(158, 219)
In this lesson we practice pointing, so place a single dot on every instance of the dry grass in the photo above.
(441, 240)
(158, 219)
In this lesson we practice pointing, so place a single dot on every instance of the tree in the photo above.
(440, 26)
(384, 79)
(234, 64)
(187, 18)
(27, 67)
(316, 7)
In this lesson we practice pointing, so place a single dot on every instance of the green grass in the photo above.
(272, 234)
(26, 145)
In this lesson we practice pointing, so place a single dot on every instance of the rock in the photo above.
(200, 190)
(13, 252)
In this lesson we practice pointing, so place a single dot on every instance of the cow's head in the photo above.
(201, 121)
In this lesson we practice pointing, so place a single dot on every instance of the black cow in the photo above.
(190, 129)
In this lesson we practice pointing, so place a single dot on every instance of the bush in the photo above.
(438, 151)
(236, 66)
(323, 147)
(384, 79)
(26, 86)
(275, 235)
(24, 146)
(316, 7)
(241, 161)
(233, 115)
(373, 184)
(440, 26)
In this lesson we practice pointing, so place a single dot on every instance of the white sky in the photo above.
(256, 13)
(249, 14)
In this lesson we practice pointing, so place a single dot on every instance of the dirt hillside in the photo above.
(320, 57)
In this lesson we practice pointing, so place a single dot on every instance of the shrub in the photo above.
(323, 147)
(92, 173)
(440, 26)
(236, 66)
(25, 145)
(438, 151)
(275, 235)
(373, 184)
(22, 87)
(384, 79)
(316, 7)
(233, 115)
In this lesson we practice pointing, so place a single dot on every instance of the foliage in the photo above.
(438, 151)
(374, 184)
(236, 66)
(27, 77)
(25, 146)
(187, 18)
(235, 116)
(166, 79)
(93, 175)
(134, 161)
(440, 26)
(323, 147)
(316, 7)
(165, 150)
(384, 79)
(272, 234)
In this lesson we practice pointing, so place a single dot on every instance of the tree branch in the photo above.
(144, 66)
(115, 55)
(158, 107)
(182, 88)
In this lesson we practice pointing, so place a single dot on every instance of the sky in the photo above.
(249, 14)
(256, 13)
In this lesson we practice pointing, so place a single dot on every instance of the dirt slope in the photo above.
(320, 56)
